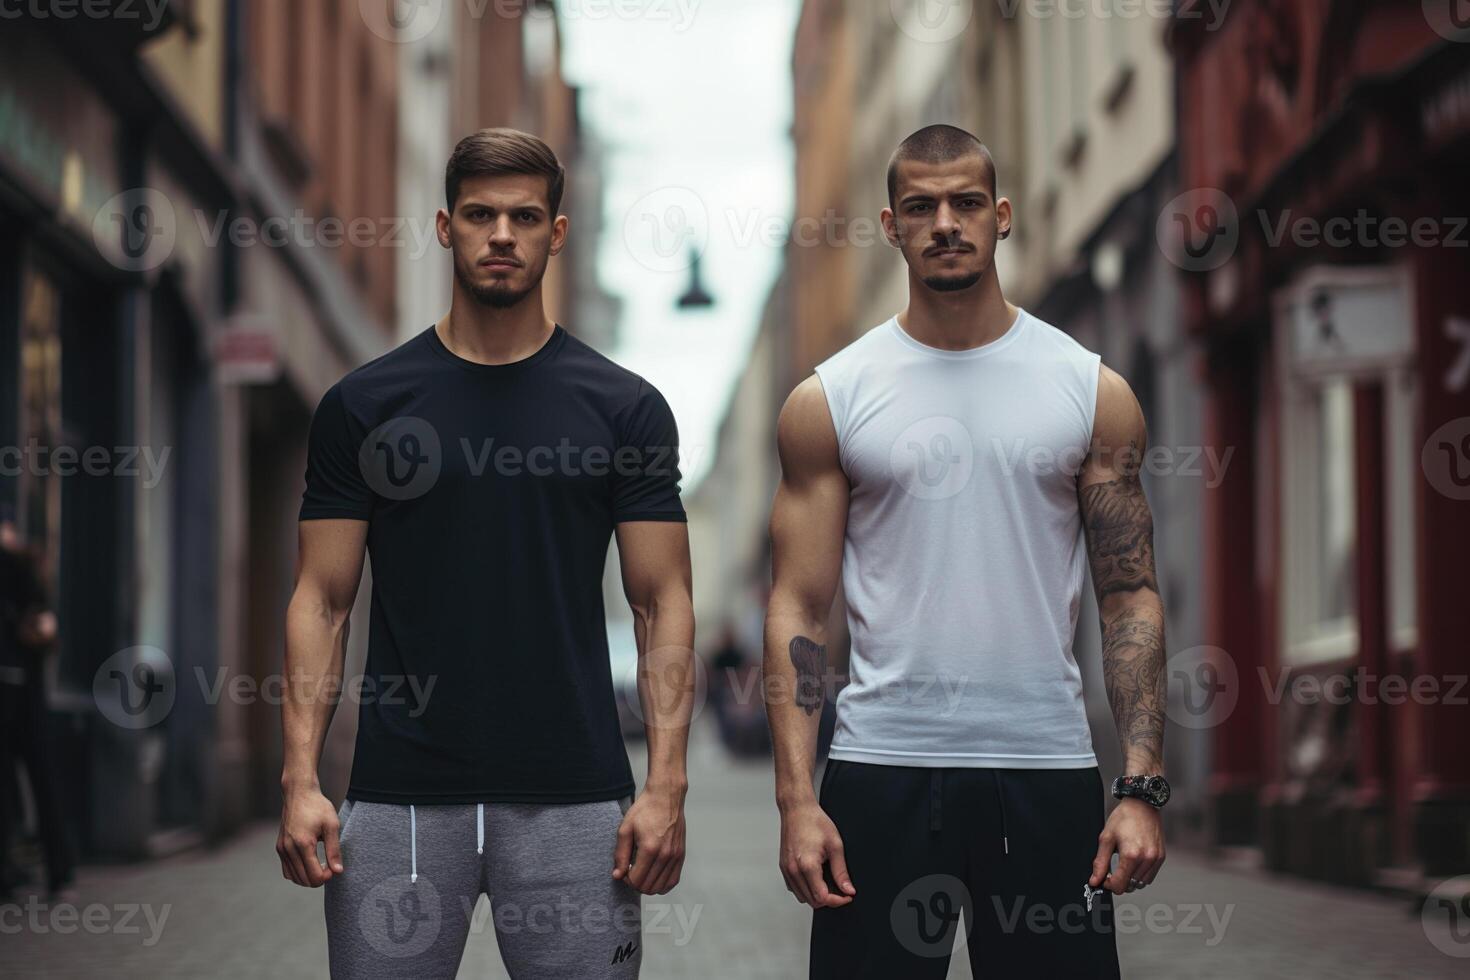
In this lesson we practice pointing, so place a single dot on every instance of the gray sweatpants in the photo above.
(404, 904)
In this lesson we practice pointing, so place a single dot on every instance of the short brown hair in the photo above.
(939, 144)
(499, 152)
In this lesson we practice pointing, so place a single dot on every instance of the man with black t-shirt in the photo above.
(485, 464)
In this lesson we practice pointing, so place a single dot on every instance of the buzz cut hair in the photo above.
(502, 152)
(939, 144)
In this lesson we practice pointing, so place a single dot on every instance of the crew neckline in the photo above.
(908, 340)
(436, 343)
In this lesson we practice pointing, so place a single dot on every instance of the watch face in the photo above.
(1158, 789)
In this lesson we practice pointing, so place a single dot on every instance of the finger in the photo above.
(623, 853)
(658, 867)
(800, 885)
(1101, 861)
(817, 885)
(642, 865)
(334, 847)
(1117, 882)
(662, 874)
(298, 870)
(286, 871)
(306, 853)
(838, 864)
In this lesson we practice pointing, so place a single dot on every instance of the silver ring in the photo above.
(1136, 883)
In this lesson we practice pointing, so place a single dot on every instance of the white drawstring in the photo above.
(480, 828)
(413, 843)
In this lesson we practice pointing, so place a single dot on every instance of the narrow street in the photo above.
(228, 913)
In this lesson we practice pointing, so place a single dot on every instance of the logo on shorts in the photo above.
(625, 952)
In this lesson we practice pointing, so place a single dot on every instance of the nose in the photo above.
(946, 222)
(501, 232)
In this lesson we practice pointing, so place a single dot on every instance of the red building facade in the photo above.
(1325, 146)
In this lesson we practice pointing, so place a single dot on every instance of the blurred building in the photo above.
(1337, 364)
(179, 290)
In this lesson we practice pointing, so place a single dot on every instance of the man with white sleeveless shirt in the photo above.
(956, 467)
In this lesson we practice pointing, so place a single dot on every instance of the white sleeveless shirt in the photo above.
(964, 554)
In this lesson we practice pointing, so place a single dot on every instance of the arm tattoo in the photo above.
(809, 658)
(1120, 548)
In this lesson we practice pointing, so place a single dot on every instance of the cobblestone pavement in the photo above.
(228, 913)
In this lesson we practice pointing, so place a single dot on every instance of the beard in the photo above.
(498, 297)
(952, 284)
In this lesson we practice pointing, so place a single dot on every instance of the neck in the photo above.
(493, 335)
(957, 320)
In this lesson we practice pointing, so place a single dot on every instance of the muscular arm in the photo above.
(1120, 548)
(808, 519)
(328, 571)
(654, 558)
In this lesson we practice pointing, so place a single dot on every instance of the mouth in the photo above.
(948, 251)
(500, 265)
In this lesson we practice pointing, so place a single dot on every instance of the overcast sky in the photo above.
(693, 99)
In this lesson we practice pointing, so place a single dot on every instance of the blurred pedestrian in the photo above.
(27, 633)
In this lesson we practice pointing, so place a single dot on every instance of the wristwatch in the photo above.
(1153, 790)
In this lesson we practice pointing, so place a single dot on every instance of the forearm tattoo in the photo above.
(1120, 549)
(810, 660)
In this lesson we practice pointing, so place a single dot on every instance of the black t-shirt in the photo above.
(490, 492)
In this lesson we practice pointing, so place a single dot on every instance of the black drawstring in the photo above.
(1001, 797)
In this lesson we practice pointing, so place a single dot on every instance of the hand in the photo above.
(307, 817)
(809, 840)
(1135, 831)
(650, 851)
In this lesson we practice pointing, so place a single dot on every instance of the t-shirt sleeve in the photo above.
(646, 464)
(335, 486)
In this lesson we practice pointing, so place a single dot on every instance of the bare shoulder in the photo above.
(805, 435)
(1118, 422)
